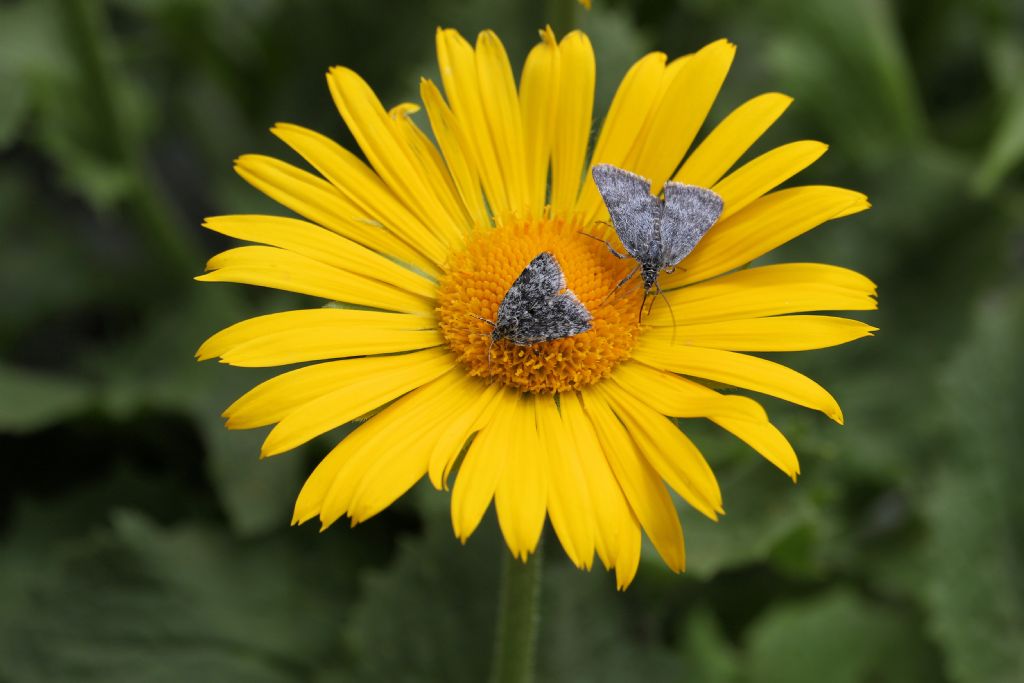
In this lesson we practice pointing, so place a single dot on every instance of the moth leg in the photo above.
(621, 283)
(606, 243)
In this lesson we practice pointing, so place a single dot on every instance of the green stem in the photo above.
(518, 618)
(150, 209)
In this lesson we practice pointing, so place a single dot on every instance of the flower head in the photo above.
(420, 244)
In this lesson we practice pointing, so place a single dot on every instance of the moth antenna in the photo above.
(671, 313)
(640, 315)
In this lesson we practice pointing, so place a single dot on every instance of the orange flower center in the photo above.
(478, 278)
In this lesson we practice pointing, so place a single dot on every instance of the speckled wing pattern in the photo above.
(690, 211)
(634, 211)
(535, 309)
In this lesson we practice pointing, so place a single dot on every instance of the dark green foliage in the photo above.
(141, 541)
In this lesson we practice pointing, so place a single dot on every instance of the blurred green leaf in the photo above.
(429, 616)
(846, 60)
(709, 657)
(766, 515)
(143, 603)
(157, 370)
(1006, 150)
(976, 514)
(31, 400)
(836, 637)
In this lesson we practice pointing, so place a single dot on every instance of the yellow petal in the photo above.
(399, 462)
(457, 62)
(316, 334)
(738, 370)
(434, 171)
(364, 393)
(730, 139)
(677, 396)
(538, 100)
(372, 200)
(291, 272)
(678, 115)
(316, 243)
(572, 124)
(629, 109)
(765, 291)
(672, 455)
(764, 438)
(647, 495)
(475, 411)
(375, 132)
(628, 560)
(569, 504)
(784, 333)
(324, 204)
(457, 153)
(769, 222)
(520, 498)
(611, 511)
(501, 109)
(483, 466)
(329, 489)
(766, 172)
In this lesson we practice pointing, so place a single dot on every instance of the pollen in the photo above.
(478, 278)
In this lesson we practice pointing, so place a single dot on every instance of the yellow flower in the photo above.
(423, 240)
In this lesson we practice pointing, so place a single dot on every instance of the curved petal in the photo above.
(612, 515)
(633, 100)
(401, 460)
(764, 438)
(783, 333)
(765, 224)
(569, 504)
(367, 390)
(731, 139)
(316, 243)
(538, 101)
(433, 170)
(324, 204)
(291, 272)
(521, 495)
(375, 132)
(647, 495)
(476, 412)
(766, 291)
(739, 370)
(677, 396)
(328, 491)
(678, 116)
(572, 125)
(672, 455)
(457, 62)
(262, 325)
(483, 466)
(497, 88)
(766, 172)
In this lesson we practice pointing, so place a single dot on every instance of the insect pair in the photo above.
(657, 233)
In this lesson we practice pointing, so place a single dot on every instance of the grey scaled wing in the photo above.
(690, 211)
(535, 309)
(634, 211)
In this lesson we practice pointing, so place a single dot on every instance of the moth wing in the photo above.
(559, 316)
(690, 211)
(525, 300)
(635, 212)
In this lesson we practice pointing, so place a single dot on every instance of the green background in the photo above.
(141, 541)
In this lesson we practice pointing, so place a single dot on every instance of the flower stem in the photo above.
(518, 618)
